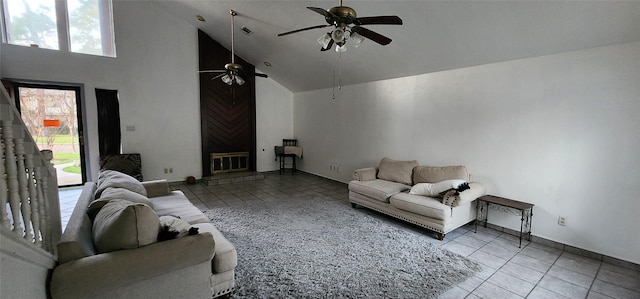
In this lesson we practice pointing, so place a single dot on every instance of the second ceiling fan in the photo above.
(348, 26)
(233, 72)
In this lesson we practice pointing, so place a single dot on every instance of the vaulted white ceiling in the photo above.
(436, 35)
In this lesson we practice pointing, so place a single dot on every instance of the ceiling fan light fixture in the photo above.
(341, 49)
(239, 80)
(338, 35)
(356, 39)
(227, 79)
(324, 40)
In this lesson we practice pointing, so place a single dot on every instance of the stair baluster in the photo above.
(4, 217)
(33, 195)
(12, 176)
(25, 205)
(44, 184)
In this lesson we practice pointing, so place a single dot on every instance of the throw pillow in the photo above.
(121, 224)
(115, 193)
(112, 178)
(396, 171)
(130, 164)
(450, 197)
(429, 189)
(172, 227)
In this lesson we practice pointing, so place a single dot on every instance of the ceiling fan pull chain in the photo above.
(233, 95)
(340, 70)
(339, 63)
(333, 87)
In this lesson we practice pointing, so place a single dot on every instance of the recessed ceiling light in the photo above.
(267, 63)
(200, 18)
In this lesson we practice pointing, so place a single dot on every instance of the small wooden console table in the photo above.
(524, 209)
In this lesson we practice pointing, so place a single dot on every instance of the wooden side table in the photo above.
(524, 209)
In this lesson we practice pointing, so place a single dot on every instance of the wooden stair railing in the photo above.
(29, 203)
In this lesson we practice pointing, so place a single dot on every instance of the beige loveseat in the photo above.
(387, 188)
(93, 264)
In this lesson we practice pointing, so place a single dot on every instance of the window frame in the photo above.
(107, 33)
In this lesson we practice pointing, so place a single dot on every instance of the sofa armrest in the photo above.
(365, 174)
(157, 188)
(111, 270)
(475, 190)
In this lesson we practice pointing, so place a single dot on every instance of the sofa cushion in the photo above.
(434, 189)
(112, 178)
(434, 174)
(377, 189)
(225, 257)
(177, 204)
(421, 205)
(157, 188)
(115, 193)
(122, 224)
(396, 171)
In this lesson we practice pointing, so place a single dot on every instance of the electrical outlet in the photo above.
(170, 170)
(562, 220)
(166, 170)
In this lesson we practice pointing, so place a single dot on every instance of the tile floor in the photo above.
(68, 197)
(533, 271)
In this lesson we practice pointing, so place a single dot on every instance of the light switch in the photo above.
(131, 128)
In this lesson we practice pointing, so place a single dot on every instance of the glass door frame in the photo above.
(80, 115)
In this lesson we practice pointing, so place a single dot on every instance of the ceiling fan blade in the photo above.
(322, 11)
(219, 76)
(246, 75)
(328, 46)
(379, 20)
(374, 36)
(303, 29)
(212, 71)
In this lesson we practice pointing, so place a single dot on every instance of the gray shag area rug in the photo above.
(310, 247)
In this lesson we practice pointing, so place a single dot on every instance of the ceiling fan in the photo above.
(233, 72)
(348, 27)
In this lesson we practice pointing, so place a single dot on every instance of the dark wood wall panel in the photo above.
(227, 114)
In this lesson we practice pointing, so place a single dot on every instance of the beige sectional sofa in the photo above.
(387, 189)
(123, 259)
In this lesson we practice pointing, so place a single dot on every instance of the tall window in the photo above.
(80, 26)
(31, 23)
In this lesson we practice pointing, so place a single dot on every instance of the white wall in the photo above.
(274, 110)
(558, 131)
(155, 73)
(159, 89)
